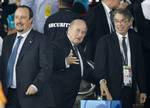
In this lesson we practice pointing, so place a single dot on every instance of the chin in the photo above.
(20, 30)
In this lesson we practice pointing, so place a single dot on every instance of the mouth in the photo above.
(19, 24)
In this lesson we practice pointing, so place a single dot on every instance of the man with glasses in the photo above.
(119, 62)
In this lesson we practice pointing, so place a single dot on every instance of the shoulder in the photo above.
(9, 37)
(133, 33)
(36, 34)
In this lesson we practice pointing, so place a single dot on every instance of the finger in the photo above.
(73, 58)
(103, 92)
(108, 95)
(75, 62)
(71, 53)
(28, 91)
(142, 100)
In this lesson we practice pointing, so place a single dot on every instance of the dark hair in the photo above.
(30, 10)
(124, 12)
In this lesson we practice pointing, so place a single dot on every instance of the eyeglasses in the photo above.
(122, 21)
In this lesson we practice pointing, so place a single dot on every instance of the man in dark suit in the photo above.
(143, 27)
(24, 66)
(69, 65)
(119, 62)
(99, 24)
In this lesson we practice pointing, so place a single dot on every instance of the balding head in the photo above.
(77, 31)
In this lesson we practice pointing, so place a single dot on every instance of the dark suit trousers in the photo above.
(147, 70)
(127, 97)
(12, 99)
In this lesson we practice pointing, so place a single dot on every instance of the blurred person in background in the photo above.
(99, 22)
(42, 9)
(2, 97)
(142, 22)
(57, 24)
(81, 6)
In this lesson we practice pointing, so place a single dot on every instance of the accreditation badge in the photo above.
(48, 10)
(127, 76)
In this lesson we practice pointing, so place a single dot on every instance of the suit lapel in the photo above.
(116, 48)
(132, 42)
(11, 43)
(27, 44)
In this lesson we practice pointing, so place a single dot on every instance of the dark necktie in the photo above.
(124, 46)
(76, 51)
(111, 19)
(11, 61)
(79, 57)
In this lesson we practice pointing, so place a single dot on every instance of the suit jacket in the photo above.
(31, 68)
(56, 25)
(66, 81)
(143, 26)
(108, 63)
(97, 27)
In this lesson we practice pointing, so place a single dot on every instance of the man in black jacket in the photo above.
(119, 62)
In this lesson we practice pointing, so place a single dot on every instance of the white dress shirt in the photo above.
(128, 47)
(1, 43)
(107, 11)
(24, 35)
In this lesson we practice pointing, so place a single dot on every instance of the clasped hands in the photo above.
(104, 90)
(71, 58)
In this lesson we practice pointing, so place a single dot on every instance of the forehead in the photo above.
(81, 25)
(22, 12)
(115, 0)
(119, 16)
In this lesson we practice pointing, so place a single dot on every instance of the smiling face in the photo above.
(122, 23)
(77, 31)
(23, 22)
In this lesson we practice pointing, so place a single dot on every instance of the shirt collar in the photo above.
(24, 35)
(120, 36)
(107, 9)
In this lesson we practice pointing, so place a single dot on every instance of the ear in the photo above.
(31, 20)
(131, 23)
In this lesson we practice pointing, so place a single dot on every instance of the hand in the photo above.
(32, 89)
(123, 5)
(70, 59)
(142, 98)
(104, 90)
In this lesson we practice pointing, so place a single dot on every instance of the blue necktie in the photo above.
(11, 61)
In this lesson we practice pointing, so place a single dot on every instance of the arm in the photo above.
(141, 73)
(45, 67)
(101, 57)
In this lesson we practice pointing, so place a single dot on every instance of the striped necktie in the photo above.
(124, 46)
(11, 61)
